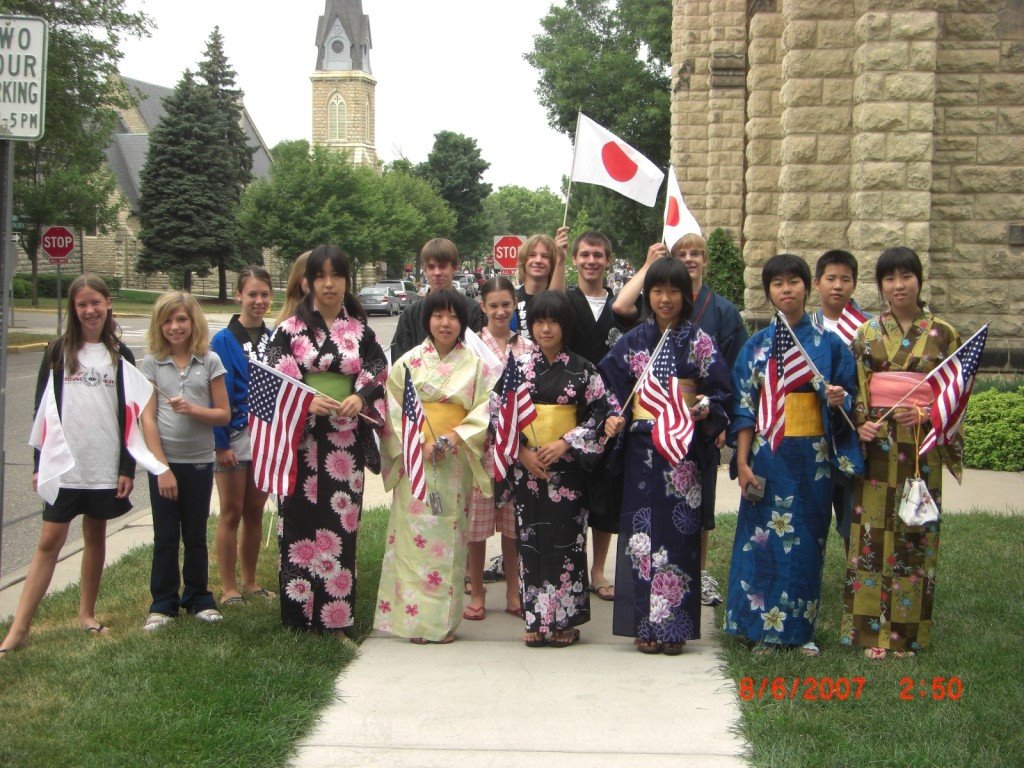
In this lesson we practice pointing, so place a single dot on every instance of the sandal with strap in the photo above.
(875, 654)
(647, 646)
(564, 638)
(672, 649)
(534, 640)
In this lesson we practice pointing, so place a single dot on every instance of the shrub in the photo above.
(993, 437)
(47, 283)
(725, 268)
(21, 288)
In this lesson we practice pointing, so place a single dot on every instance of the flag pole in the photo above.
(654, 355)
(813, 367)
(572, 168)
(931, 373)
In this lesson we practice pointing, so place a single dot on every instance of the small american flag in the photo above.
(412, 445)
(952, 383)
(849, 321)
(515, 413)
(788, 368)
(673, 424)
(278, 406)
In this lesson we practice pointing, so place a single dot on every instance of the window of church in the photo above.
(336, 118)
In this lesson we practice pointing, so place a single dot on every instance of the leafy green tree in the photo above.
(62, 178)
(410, 213)
(521, 211)
(455, 167)
(236, 160)
(186, 218)
(725, 266)
(610, 61)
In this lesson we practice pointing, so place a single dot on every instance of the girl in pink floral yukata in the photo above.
(328, 345)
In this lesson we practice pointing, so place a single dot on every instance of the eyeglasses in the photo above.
(679, 254)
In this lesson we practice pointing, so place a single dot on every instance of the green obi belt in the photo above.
(335, 385)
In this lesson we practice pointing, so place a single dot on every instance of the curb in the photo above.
(27, 347)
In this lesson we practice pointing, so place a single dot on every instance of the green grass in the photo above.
(14, 338)
(132, 302)
(977, 635)
(239, 693)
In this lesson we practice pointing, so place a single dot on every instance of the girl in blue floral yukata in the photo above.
(661, 514)
(779, 550)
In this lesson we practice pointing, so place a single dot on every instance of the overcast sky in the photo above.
(454, 65)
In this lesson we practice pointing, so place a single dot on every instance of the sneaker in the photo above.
(155, 621)
(709, 594)
(209, 615)
(495, 571)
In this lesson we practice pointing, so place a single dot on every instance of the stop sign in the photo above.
(506, 252)
(57, 243)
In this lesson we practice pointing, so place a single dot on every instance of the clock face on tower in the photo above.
(337, 46)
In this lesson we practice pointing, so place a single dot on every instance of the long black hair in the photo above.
(314, 266)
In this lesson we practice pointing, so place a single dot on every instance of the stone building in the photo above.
(115, 253)
(343, 83)
(804, 125)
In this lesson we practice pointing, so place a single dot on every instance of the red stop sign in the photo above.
(506, 252)
(57, 243)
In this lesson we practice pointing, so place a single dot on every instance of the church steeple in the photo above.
(343, 84)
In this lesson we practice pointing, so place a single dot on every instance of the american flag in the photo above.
(515, 413)
(412, 444)
(849, 321)
(673, 424)
(788, 368)
(278, 406)
(952, 383)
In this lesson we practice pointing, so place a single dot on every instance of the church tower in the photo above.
(343, 83)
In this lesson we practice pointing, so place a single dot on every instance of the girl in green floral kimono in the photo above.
(890, 573)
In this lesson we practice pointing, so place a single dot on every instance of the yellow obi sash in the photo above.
(887, 388)
(442, 417)
(334, 385)
(803, 415)
(689, 387)
(552, 422)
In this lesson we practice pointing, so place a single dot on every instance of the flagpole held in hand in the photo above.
(812, 366)
(572, 168)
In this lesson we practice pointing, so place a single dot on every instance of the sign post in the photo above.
(23, 41)
(506, 252)
(58, 243)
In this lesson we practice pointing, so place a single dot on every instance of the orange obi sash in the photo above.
(803, 415)
(441, 418)
(552, 422)
(888, 388)
(689, 388)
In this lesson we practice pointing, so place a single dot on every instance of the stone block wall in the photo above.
(358, 89)
(690, 72)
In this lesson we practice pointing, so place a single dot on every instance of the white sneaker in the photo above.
(155, 621)
(709, 594)
(209, 615)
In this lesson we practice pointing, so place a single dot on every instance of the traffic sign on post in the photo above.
(506, 252)
(57, 243)
(23, 77)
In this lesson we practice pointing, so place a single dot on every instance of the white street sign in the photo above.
(22, 77)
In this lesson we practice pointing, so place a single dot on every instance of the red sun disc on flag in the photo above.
(672, 214)
(618, 164)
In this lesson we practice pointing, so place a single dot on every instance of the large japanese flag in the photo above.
(601, 157)
(678, 219)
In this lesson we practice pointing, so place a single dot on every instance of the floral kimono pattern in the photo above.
(779, 550)
(658, 598)
(319, 522)
(551, 515)
(891, 567)
(424, 563)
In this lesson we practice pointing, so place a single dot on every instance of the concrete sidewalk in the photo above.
(487, 700)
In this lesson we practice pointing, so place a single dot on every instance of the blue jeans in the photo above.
(182, 519)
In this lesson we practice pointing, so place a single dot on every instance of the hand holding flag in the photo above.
(278, 407)
(788, 369)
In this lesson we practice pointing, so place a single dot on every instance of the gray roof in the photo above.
(357, 27)
(127, 151)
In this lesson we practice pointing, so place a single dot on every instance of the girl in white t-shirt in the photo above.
(178, 425)
(85, 370)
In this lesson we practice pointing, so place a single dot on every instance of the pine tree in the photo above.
(186, 210)
(235, 150)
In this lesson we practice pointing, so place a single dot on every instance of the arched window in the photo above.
(336, 118)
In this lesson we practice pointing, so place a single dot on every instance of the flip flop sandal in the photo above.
(472, 613)
(100, 630)
(565, 642)
(236, 600)
(517, 612)
(449, 638)
(875, 654)
(672, 649)
(604, 589)
(266, 594)
(647, 646)
(537, 641)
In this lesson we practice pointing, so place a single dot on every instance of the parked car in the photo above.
(379, 299)
(405, 290)
(467, 284)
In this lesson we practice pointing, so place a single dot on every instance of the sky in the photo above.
(454, 65)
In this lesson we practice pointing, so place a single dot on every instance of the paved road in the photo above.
(21, 506)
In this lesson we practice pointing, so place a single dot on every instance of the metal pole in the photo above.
(58, 299)
(6, 207)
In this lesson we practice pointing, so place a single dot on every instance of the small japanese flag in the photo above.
(601, 157)
(678, 219)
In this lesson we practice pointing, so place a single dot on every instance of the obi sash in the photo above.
(689, 388)
(888, 388)
(803, 415)
(441, 418)
(335, 385)
(552, 422)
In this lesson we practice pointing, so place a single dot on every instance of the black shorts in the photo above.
(97, 503)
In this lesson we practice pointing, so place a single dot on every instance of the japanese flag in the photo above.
(678, 219)
(601, 157)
